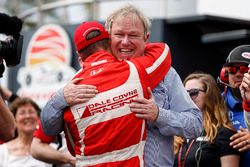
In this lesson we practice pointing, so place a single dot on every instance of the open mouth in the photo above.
(126, 51)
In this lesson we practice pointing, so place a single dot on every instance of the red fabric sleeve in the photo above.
(156, 61)
(41, 135)
(246, 105)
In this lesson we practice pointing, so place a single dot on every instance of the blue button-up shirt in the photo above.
(178, 115)
(236, 116)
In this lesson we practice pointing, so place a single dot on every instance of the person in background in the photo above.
(46, 151)
(7, 121)
(9, 56)
(235, 67)
(17, 151)
(245, 93)
(212, 147)
(171, 113)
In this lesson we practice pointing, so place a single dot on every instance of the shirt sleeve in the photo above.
(178, 115)
(222, 141)
(246, 108)
(3, 154)
(52, 114)
(247, 119)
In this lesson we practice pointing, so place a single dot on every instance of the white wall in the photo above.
(180, 8)
(239, 9)
(152, 8)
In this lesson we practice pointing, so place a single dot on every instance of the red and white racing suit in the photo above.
(103, 131)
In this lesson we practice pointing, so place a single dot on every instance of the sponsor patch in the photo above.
(246, 55)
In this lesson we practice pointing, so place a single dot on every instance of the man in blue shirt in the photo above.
(235, 67)
(171, 112)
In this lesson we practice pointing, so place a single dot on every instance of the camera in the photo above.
(11, 47)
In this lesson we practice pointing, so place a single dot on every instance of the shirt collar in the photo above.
(97, 58)
(232, 102)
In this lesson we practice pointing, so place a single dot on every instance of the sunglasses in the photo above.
(234, 69)
(194, 92)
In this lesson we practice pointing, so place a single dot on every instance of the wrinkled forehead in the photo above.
(125, 14)
(131, 17)
(128, 18)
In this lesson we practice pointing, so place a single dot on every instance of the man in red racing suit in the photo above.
(104, 131)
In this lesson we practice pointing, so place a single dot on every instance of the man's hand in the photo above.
(75, 94)
(145, 108)
(241, 140)
(245, 87)
(5, 92)
(69, 159)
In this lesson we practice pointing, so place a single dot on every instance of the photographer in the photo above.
(10, 52)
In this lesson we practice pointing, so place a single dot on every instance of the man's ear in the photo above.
(80, 61)
(78, 54)
(80, 58)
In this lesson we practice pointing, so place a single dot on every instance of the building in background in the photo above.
(37, 12)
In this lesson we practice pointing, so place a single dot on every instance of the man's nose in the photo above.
(125, 40)
(238, 73)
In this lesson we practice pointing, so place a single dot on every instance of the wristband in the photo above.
(246, 105)
(12, 97)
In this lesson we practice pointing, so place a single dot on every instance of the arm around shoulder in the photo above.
(52, 114)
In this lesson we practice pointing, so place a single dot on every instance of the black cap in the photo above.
(240, 54)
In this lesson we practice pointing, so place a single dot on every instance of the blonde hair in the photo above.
(125, 11)
(214, 114)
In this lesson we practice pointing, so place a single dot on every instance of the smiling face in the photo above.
(127, 37)
(26, 119)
